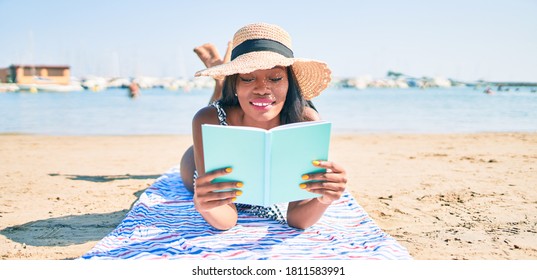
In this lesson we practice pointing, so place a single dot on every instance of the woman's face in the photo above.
(262, 94)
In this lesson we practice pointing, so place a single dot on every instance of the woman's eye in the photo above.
(276, 79)
(246, 80)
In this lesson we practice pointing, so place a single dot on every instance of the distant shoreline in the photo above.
(165, 112)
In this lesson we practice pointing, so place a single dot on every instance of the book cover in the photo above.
(270, 163)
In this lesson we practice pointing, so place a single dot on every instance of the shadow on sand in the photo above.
(67, 230)
(106, 178)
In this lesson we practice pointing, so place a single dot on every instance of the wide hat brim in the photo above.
(312, 76)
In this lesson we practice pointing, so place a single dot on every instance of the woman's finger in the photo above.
(335, 168)
(215, 187)
(213, 199)
(325, 176)
(335, 187)
(202, 205)
(216, 203)
(209, 176)
(212, 196)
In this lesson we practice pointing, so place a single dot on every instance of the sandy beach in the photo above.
(444, 197)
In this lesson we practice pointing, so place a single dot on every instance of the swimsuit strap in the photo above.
(221, 113)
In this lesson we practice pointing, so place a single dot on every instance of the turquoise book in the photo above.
(270, 163)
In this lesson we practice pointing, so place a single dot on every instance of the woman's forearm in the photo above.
(223, 217)
(303, 214)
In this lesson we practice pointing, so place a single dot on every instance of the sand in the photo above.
(443, 197)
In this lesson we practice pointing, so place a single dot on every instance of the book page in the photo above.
(298, 124)
(292, 153)
(241, 149)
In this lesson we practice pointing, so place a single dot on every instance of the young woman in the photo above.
(264, 86)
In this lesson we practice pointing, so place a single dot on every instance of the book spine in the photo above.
(266, 173)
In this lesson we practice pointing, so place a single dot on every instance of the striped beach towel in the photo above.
(163, 224)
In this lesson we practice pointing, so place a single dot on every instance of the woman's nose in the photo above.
(261, 85)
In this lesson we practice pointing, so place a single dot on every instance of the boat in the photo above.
(46, 85)
(8, 87)
(50, 87)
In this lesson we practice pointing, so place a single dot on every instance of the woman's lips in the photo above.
(262, 104)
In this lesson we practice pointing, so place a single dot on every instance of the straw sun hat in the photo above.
(263, 46)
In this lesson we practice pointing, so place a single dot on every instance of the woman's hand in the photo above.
(206, 195)
(330, 184)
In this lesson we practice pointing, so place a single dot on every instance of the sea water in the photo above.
(160, 111)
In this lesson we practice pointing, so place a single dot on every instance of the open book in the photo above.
(270, 163)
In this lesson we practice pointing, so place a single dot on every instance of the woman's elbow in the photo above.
(224, 227)
(302, 225)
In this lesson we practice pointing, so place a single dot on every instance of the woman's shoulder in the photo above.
(311, 115)
(206, 115)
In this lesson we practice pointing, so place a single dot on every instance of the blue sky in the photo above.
(466, 40)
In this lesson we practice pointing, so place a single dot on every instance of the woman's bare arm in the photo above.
(217, 208)
(330, 185)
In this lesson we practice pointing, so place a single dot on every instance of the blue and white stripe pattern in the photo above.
(163, 224)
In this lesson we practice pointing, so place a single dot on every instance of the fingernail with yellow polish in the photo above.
(233, 199)
(305, 177)
(316, 162)
(239, 184)
(238, 193)
(302, 186)
(228, 170)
